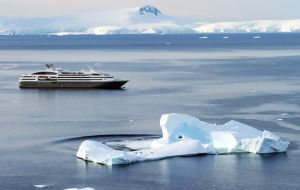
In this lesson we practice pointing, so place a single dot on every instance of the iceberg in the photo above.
(186, 135)
(86, 188)
(42, 186)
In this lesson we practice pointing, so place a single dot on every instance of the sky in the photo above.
(202, 10)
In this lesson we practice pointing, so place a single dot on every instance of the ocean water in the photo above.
(252, 80)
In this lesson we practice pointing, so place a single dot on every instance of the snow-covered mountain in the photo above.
(143, 20)
(251, 26)
(140, 20)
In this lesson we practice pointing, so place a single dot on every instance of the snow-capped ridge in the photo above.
(141, 20)
(257, 26)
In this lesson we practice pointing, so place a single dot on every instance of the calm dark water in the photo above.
(255, 81)
(149, 41)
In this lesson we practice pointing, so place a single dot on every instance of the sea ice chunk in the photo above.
(86, 188)
(41, 186)
(101, 153)
(187, 135)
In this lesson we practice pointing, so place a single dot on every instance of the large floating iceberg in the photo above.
(187, 135)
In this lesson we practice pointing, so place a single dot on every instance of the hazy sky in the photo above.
(202, 10)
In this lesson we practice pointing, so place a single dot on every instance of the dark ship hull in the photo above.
(54, 84)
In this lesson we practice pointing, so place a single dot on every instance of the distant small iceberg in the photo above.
(42, 186)
(186, 135)
(225, 37)
(203, 37)
(85, 188)
(256, 37)
(8, 66)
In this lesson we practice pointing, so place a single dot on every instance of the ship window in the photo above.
(44, 73)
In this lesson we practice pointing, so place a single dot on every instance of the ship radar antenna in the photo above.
(50, 67)
(91, 69)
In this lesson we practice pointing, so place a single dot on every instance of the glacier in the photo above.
(186, 135)
(258, 26)
(141, 20)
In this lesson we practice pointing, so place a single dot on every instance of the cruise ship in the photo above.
(53, 77)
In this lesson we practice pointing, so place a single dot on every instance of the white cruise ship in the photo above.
(57, 78)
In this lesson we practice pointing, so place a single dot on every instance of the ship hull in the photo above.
(87, 85)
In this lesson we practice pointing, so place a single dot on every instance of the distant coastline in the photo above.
(140, 20)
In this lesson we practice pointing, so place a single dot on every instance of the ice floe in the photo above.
(86, 188)
(42, 186)
(186, 135)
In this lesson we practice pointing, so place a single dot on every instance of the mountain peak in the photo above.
(149, 10)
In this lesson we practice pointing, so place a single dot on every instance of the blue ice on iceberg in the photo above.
(187, 135)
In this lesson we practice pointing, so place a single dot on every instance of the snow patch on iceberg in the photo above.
(187, 135)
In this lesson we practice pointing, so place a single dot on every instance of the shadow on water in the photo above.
(108, 136)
